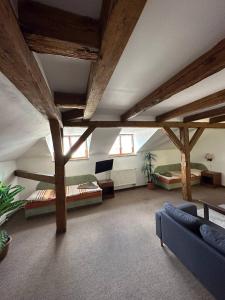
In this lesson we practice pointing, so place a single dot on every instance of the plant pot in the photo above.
(151, 185)
(4, 251)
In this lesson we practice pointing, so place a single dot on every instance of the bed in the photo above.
(42, 201)
(169, 176)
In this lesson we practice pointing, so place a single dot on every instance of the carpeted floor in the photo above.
(110, 251)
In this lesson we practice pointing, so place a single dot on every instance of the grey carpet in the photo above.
(110, 251)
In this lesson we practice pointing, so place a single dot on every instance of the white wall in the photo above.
(7, 169)
(45, 165)
(212, 141)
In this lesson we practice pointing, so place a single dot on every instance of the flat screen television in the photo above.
(103, 166)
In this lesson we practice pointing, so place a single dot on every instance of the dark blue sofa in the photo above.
(204, 261)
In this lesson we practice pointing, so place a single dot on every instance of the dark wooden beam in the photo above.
(217, 119)
(185, 165)
(18, 64)
(205, 114)
(174, 139)
(119, 27)
(107, 6)
(203, 103)
(195, 137)
(72, 114)
(54, 31)
(209, 63)
(35, 176)
(60, 190)
(142, 124)
(78, 143)
(68, 100)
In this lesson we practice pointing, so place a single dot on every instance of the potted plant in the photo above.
(8, 206)
(147, 169)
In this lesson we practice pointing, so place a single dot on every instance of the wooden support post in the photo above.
(185, 165)
(57, 139)
(169, 132)
(195, 137)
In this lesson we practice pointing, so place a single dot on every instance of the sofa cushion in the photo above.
(213, 237)
(189, 221)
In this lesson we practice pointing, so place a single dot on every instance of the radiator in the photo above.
(123, 178)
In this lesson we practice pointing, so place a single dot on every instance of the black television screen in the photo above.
(103, 166)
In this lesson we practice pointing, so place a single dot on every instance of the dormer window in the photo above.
(82, 151)
(123, 145)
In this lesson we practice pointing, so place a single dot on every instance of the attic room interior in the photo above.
(112, 171)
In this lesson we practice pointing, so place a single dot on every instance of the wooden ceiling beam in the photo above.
(217, 119)
(68, 100)
(118, 29)
(209, 63)
(141, 124)
(35, 176)
(51, 30)
(78, 143)
(18, 64)
(205, 114)
(72, 114)
(203, 103)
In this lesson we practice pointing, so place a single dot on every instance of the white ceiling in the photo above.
(169, 35)
(65, 74)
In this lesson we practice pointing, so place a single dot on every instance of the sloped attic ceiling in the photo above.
(168, 36)
(102, 140)
(160, 141)
(21, 124)
(39, 149)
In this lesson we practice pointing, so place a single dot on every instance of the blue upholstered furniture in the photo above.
(203, 260)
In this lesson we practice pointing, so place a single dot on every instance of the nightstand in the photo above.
(107, 187)
(211, 178)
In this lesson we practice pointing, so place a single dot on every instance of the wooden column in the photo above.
(185, 165)
(57, 139)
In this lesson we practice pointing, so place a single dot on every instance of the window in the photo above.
(82, 151)
(123, 145)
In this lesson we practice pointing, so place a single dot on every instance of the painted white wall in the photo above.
(38, 159)
(212, 141)
(7, 169)
(45, 165)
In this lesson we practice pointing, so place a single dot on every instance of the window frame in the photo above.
(120, 145)
(71, 144)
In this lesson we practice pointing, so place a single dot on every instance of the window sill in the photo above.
(75, 159)
(122, 155)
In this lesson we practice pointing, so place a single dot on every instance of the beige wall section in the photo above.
(212, 141)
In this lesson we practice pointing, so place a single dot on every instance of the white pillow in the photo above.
(196, 172)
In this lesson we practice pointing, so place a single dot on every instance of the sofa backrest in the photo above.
(177, 167)
(71, 180)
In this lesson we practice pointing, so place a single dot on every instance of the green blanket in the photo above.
(71, 180)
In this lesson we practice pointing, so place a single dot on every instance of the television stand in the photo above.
(107, 187)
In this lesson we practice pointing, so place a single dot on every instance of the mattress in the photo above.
(175, 179)
(41, 198)
(176, 176)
